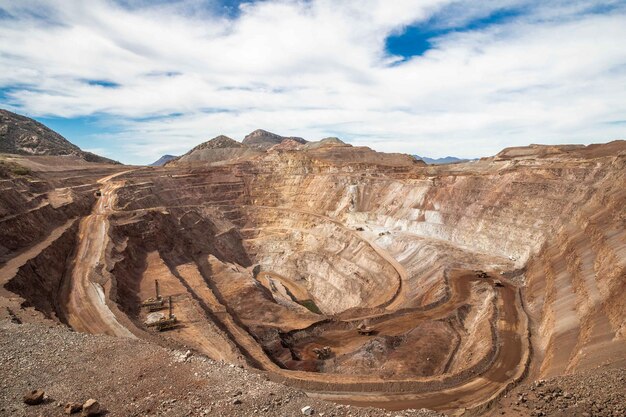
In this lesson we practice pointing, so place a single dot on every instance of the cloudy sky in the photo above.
(135, 79)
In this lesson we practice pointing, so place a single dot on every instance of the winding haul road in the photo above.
(86, 310)
(85, 306)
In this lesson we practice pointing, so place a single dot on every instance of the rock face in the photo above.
(24, 136)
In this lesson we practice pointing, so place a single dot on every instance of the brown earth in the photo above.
(475, 278)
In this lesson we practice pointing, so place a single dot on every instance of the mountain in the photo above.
(24, 136)
(441, 161)
(263, 140)
(220, 148)
(163, 160)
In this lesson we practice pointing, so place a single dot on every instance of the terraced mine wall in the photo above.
(39, 280)
(515, 264)
(576, 283)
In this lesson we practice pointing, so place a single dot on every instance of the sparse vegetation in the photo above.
(9, 168)
(311, 306)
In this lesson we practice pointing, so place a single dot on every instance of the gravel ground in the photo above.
(599, 392)
(136, 378)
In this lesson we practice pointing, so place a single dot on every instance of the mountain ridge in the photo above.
(22, 135)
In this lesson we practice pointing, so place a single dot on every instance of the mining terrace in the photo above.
(358, 277)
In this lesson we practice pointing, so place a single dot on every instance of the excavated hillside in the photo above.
(358, 277)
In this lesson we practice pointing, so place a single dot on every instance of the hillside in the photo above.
(220, 148)
(263, 140)
(24, 136)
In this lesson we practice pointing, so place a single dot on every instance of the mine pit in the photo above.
(397, 287)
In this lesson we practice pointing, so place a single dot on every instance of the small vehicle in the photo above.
(364, 330)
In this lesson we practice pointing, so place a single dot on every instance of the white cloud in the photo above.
(556, 73)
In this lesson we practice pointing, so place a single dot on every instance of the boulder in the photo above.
(91, 407)
(34, 397)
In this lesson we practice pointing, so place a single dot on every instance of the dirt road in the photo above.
(503, 366)
(84, 299)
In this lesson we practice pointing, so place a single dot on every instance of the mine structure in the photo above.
(156, 303)
(323, 353)
(165, 323)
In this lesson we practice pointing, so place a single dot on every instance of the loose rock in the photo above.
(91, 407)
(71, 408)
(34, 397)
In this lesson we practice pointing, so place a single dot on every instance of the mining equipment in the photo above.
(165, 323)
(481, 274)
(154, 304)
(322, 353)
(364, 330)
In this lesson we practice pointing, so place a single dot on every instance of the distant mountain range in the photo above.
(24, 136)
(163, 160)
(263, 140)
(441, 161)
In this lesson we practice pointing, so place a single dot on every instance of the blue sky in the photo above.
(135, 79)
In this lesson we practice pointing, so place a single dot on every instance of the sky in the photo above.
(135, 79)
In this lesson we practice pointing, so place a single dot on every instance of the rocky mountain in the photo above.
(220, 148)
(163, 160)
(257, 144)
(263, 140)
(24, 136)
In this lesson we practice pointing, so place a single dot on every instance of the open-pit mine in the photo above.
(358, 277)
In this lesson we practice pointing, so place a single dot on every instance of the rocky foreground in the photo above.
(136, 378)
